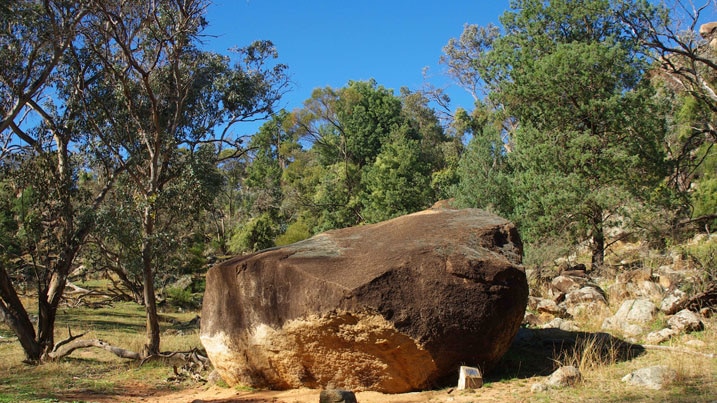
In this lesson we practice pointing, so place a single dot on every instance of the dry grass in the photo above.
(94, 370)
(602, 365)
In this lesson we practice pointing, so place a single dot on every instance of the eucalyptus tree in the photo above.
(346, 129)
(263, 215)
(43, 158)
(158, 97)
(181, 230)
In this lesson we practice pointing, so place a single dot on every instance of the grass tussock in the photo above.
(592, 352)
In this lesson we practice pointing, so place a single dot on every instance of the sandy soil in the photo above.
(500, 392)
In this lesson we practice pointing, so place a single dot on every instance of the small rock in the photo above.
(565, 284)
(587, 299)
(640, 311)
(585, 294)
(652, 377)
(530, 319)
(660, 336)
(213, 378)
(337, 396)
(649, 289)
(562, 324)
(686, 321)
(633, 313)
(633, 330)
(671, 302)
(549, 306)
(563, 376)
(538, 387)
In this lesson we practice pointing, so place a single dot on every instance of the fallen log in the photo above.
(67, 349)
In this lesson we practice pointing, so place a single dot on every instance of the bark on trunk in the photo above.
(46, 324)
(152, 346)
(16, 317)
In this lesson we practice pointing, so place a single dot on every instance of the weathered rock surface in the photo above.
(707, 31)
(391, 307)
(686, 321)
(631, 316)
(660, 336)
(651, 377)
(671, 303)
(561, 378)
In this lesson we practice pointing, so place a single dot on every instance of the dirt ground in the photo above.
(535, 347)
(499, 392)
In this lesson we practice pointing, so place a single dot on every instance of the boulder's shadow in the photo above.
(539, 352)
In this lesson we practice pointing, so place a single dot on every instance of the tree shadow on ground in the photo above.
(539, 352)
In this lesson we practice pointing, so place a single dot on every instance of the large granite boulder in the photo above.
(391, 307)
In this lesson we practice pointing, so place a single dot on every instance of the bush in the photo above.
(703, 254)
(182, 298)
(297, 231)
(255, 235)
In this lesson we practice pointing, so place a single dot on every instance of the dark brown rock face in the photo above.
(392, 307)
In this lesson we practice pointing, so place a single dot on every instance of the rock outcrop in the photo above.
(391, 307)
(707, 31)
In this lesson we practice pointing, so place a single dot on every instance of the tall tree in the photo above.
(484, 169)
(158, 97)
(42, 159)
(269, 154)
(588, 137)
(399, 180)
(681, 40)
(346, 129)
(374, 155)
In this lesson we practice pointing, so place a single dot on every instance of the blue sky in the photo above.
(328, 43)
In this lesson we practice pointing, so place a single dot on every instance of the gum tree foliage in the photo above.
(587, 140)
(114, 246)
(372, 156)
(269, 153)
(346, 129)
(353, 155)
(50, 213)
